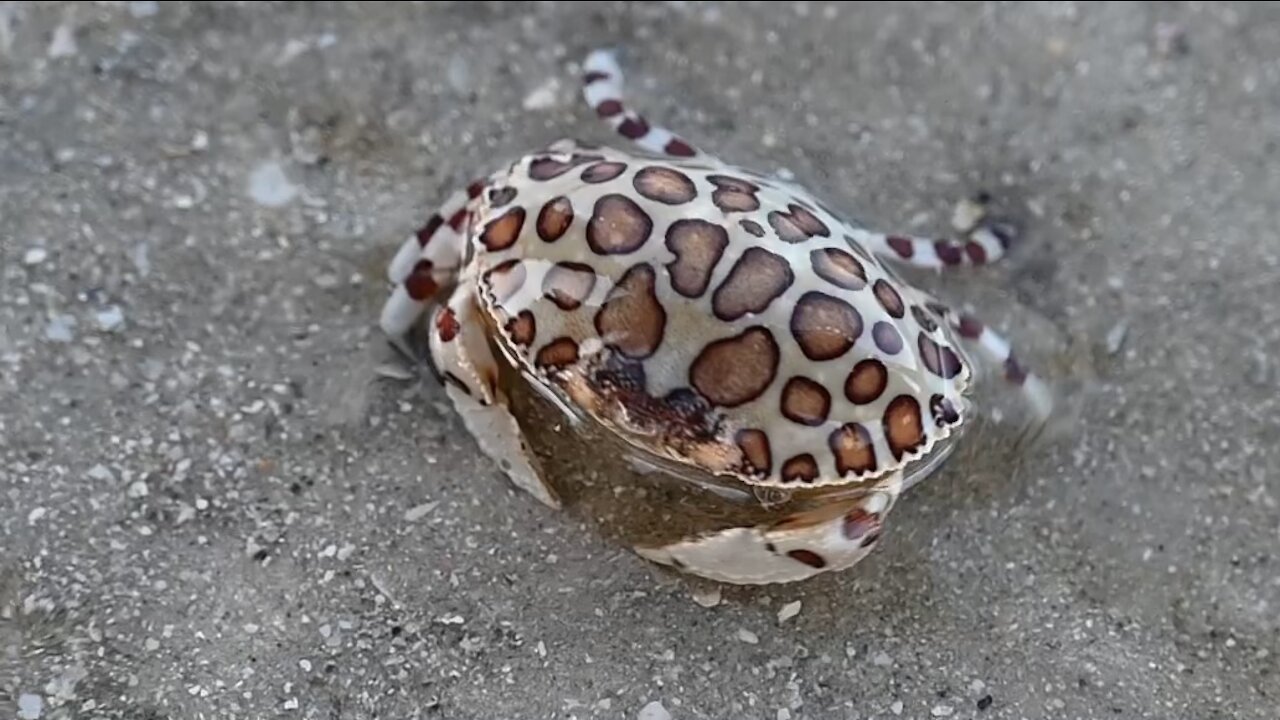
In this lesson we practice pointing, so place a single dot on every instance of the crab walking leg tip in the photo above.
(602, 90)
(399, 313)
(405, 258)
(603, 59)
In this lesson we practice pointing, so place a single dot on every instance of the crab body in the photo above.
(718, 326)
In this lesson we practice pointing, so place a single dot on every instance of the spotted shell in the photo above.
(712, 317)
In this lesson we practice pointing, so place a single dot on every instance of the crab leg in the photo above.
(602, 88)
(460, 352)
(995, 349)
(984, 244)
(424, 263)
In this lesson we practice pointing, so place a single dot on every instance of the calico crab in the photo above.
(734, 373)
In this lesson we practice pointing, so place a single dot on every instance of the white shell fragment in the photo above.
(788, 611)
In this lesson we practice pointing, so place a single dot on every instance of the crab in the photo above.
(730, 343)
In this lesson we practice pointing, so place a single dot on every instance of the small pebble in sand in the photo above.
(788, 611)
(63, 42)
(30, 706)
(110, 319)
(270, 187)
(707, 598)
(654, 711)
(59, 329)
(543, 97)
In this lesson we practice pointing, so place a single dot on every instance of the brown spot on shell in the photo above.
(734, 194)
(805, 401)
(549, 167)
(924, 319)
(886, 337)
(502, 232)
(664, 185)
(522, 328)
(752, 227)
(889, 298)
(807, 221)
(698, 246)
(797, 224)
(733, 184)
(800, 468)
(866, 381)
(786, 228)
(730, 201)
(618, 226)
(939, 359)
(506, 279)
(808, 557)
(567, 284)
(825, 326)
(447, 325)
(755, 447)
(737, 369)
(839, 268)
(903, 428)
(554, 219)
(851, 444)
(558, 353)
(756, 279)
(603, 171)
(632, 319)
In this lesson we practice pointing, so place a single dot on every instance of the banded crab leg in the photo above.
(984, 243)
(426, 261)
(996, 350)
(602, 88)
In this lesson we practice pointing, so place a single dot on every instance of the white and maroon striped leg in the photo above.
(425, 262)
(996, 350)
(602, 88)
(985, 244)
